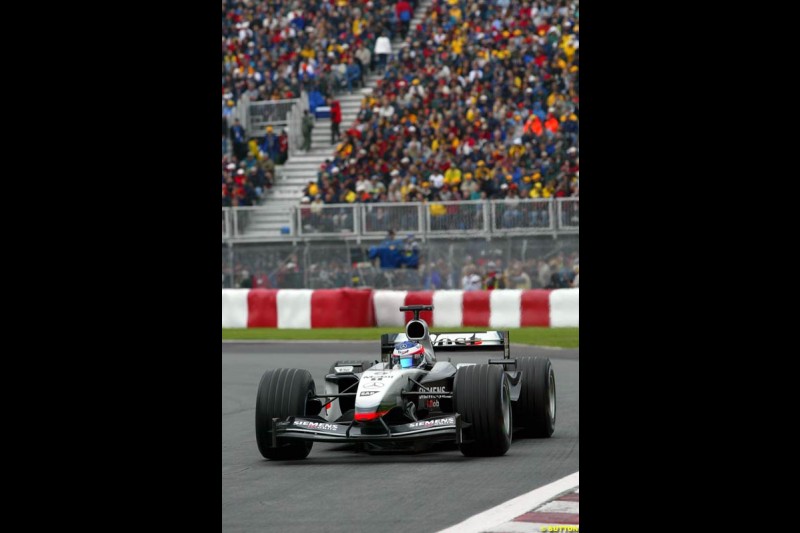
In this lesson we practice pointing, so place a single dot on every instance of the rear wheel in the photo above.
(481, 396)
(536, 409)
(282, 393)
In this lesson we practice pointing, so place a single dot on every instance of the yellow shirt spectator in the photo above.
(438, 210)
(253, 146)
(570, 51)
(452, 176)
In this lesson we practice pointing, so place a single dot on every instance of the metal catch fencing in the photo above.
(531, 261)
(555, 216)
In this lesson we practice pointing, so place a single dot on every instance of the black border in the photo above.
(136, 294)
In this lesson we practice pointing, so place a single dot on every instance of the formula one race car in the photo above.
(410, 399)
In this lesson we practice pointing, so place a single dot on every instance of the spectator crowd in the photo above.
(480, 102)
(276, 50)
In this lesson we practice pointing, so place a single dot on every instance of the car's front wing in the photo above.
(440, 428)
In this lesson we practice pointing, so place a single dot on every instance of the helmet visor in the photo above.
(406, 362)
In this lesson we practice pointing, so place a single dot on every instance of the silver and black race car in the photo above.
(392, 405)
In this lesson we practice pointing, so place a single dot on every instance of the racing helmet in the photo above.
(408, 354)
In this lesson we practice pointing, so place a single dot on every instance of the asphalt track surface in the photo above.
(336, 489)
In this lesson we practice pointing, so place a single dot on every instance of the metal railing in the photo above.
(330, 220)
(226, 223)
(523, 216)
(476, 218)
(567, 213)
(377, 219)
(259, 115)
(295, 124)
(457, 217)
(240, 219)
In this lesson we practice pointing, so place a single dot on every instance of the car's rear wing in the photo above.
(454, 342)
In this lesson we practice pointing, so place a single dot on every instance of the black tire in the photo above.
(282, 393)
(365, 365)
(481, 396)
(535, 411)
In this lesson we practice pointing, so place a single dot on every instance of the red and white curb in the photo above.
(560, 514)
(511, 308)
(553, 507)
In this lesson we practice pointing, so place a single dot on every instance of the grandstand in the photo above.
(295, 175)
(471, 130)
(500, 95)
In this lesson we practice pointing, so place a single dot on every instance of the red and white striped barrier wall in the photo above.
(489, 309)
(352, 308)
(297, 308)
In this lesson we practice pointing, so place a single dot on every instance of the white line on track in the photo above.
(513, 508)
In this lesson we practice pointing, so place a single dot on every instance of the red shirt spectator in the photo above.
(401, 6)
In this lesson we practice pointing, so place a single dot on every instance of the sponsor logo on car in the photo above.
(368, 392)
(343, 369)
(374, 379)
(449, 421)
(316, 425)
(460, 341)
(433, 396)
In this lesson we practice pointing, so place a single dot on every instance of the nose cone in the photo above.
(367, 416)
(377, 394)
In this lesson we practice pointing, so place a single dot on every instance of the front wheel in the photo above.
(282, 393)
(481, 396)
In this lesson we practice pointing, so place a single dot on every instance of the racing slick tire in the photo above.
(282, 393)
(364, 365)
(481, 396)
(535, 411)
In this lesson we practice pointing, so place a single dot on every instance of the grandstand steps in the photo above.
(314, 155)
(294, 175)
(269, 223)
